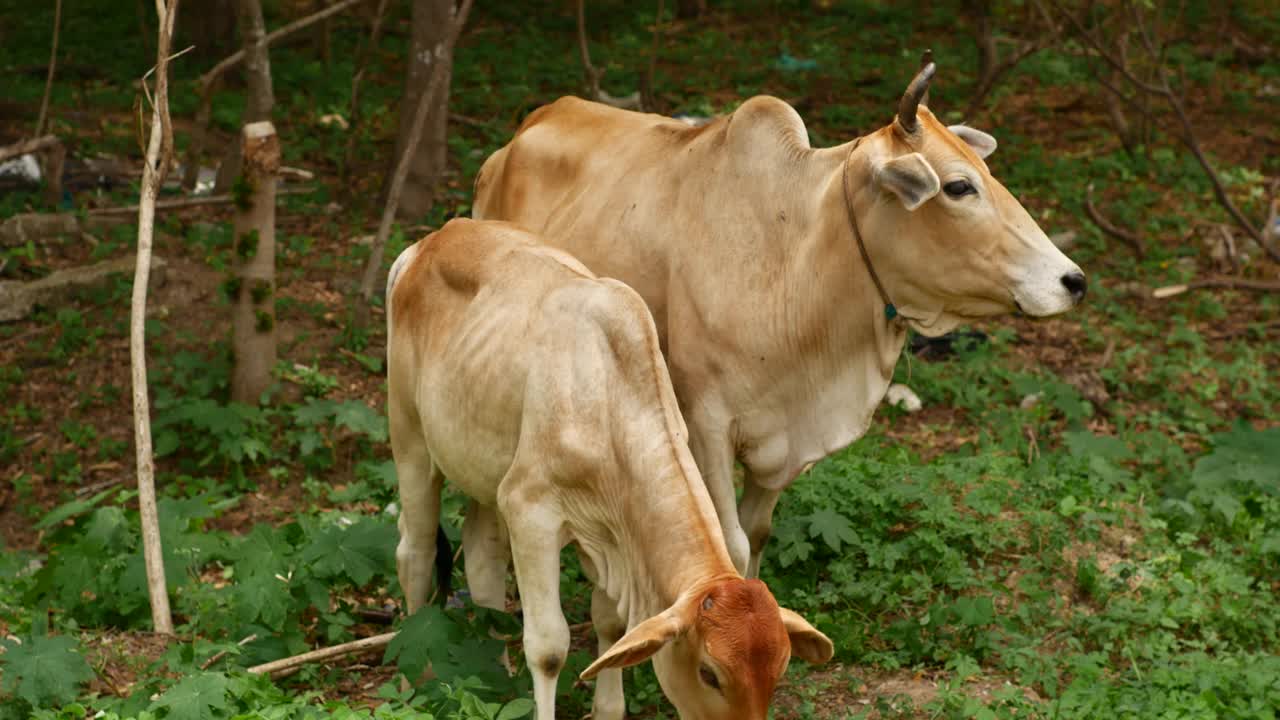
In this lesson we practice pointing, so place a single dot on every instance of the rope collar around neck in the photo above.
(890, 310)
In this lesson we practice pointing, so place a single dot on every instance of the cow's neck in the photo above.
(849, 346)
(658, 536)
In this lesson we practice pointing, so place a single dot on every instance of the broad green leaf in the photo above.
(833, 527)
(198, 697)
(71, 509)
(44, 671)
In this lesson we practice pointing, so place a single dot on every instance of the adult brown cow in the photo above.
(782, 278)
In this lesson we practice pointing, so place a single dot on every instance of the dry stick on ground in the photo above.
(1187, 135)
(179, 203)
(223, 653)
(53, 64)
(362, 65)
(26, 147)
(1129, 237)
(208, 82)
(159, 152)
(374, 264)
(1231, 283)
(276, 668)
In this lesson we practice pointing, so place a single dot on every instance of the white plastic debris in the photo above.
(334, 119)
(24, 167)
(903, 397)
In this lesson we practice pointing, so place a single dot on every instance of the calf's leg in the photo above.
(535, 543)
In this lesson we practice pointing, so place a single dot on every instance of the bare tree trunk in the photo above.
(53, 65)
(210, 25)
(686, 9)
(159, 154)
(260, 99)
(254, 318)
(432, 20)
(373, 267)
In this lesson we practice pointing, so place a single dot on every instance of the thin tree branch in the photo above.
(443, 61)
(53, 64)
(353, 112)
(1129, 237)
(284, 665)
(649, 93)
(584, 51)
(223, 653)
(237, 57)
(157, 162)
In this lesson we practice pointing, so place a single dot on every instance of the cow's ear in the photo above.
(807, 642)
(645, 639)
(910, 178)
(982, 143)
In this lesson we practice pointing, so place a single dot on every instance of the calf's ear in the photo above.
(910, 177)
(645, 639)
(807, 643)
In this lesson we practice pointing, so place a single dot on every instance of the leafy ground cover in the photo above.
(1111, 549)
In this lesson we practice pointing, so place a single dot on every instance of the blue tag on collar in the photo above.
(890, 312)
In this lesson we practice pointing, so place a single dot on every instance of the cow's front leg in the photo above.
(486, 553)
(609, 702)
(756, 511)
(534, 525)
(714, 455)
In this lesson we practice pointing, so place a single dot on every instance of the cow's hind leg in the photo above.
(535, 527)
(756, 512)
(420, 485)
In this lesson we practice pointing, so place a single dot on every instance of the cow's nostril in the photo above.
(1076, 284)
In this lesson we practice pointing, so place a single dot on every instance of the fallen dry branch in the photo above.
(285, 665)
(1226, 282)
(18, 299)
(1129, 237)
(626, 102)
(26, 147)
(181, 203)
(223, 653)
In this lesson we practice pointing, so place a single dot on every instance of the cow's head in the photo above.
(948, 241)
(719, 652)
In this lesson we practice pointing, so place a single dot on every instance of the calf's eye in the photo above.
(709, 677)
(959, 188)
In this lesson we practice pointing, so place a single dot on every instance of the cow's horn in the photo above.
(915, 94)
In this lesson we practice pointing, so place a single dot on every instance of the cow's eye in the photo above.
(709, 677)
(959, 188)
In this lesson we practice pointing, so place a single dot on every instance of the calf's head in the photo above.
(718, 652)
(949, 242)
